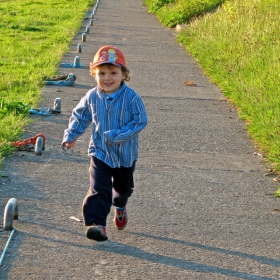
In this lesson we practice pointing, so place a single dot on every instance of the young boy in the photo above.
(117, 115)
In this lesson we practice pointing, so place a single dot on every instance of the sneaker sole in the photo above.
(95, 235)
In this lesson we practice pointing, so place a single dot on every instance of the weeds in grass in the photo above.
(277, 193)
(173, 12)
(15, 108)
(157, 4)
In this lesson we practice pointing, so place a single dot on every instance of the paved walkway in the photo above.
(202, 207)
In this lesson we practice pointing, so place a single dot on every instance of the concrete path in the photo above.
(202, 207)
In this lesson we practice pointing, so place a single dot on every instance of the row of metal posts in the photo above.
(11, 208)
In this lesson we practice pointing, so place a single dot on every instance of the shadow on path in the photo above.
(127, 250)
(260, 259)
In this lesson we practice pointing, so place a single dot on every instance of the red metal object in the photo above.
(28, 141)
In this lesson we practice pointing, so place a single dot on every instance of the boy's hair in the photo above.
(124, 69)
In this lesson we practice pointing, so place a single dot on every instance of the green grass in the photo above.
(173, 12)
(238, 48)
(34, 37)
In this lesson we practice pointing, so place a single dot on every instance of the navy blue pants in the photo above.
(108, 186)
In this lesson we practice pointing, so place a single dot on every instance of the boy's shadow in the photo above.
(127, 250)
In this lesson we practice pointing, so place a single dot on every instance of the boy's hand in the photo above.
(67, 145)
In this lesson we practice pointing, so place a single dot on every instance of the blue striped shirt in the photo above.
(115, 125)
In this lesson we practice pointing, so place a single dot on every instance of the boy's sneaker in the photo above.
(120, 218)
(97, 233)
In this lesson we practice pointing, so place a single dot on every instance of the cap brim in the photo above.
(106, 62)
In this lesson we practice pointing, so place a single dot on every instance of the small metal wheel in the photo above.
(84, 37)
(39, 146)
(57, 104)
(79, 48)
(76, 61)
(10, 213)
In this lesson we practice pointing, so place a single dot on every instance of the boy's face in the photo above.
(109, 78)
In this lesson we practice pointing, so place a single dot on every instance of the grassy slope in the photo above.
(34, 37)
(172, 12)
(238, 48)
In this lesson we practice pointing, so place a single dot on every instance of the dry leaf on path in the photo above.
(190, 84)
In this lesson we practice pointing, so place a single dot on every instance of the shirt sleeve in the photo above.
(79, 121)
(133, 128)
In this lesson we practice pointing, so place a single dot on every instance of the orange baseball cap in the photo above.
(109, 54)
